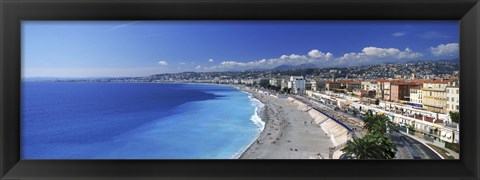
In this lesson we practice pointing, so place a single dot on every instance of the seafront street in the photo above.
(291, 133)
(408, 147)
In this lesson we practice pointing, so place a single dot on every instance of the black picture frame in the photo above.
(12, 12)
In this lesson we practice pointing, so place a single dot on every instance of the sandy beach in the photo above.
(289, 133)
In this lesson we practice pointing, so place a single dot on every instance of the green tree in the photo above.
(377, 124)
(375, 144)
(371, 146)
(455, 116)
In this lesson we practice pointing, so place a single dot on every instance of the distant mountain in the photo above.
(283, 67)
(290, 67)
(257, 69)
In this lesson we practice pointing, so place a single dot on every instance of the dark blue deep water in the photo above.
(62, 120)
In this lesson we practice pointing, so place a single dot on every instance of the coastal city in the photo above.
(320, 113)
(344, 90)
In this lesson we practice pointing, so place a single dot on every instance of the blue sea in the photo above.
(69, 120)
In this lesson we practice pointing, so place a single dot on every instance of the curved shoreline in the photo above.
(261, 113)
(289, 133)
(258, 111)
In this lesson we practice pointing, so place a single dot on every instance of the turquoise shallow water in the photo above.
(136, 121)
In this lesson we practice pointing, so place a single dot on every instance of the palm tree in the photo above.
(371, 146)
(375, 144)
(377, 124)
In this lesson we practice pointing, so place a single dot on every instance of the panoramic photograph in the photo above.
(342, 90)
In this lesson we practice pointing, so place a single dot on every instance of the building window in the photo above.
(457, 91)
(448, 99)
(458, 107)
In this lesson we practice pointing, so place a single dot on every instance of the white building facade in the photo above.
(297, 84)
(416, 95)
(453, 99)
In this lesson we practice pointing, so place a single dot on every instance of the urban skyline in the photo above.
(141, 48)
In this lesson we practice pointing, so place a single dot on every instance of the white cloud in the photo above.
(451, 49)
(182, 63)
(319, 54)
(163, 63)
(198, 67)
(376, 54)
(293, 59)
(398, 34)
(210, 60)
(317, 57)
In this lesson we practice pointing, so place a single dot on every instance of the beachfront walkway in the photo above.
(289, 133)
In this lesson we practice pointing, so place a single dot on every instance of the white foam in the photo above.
(256, 120)
(255, 117)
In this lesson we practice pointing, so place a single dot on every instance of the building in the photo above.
(277, 82)
(297, 84)
(386, 90)
(453, 99)
(367, 85)
(416, 95)
(400, 91)
(364, 93)
(283, 84)
(273, 82)
(331, 85)
(313, 85)
(434, 95)
(353, 85)
(249, 81)
(379, 89)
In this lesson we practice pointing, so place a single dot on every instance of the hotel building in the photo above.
(297, 84)
(434, 94)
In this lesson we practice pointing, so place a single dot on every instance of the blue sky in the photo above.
(139, 48)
